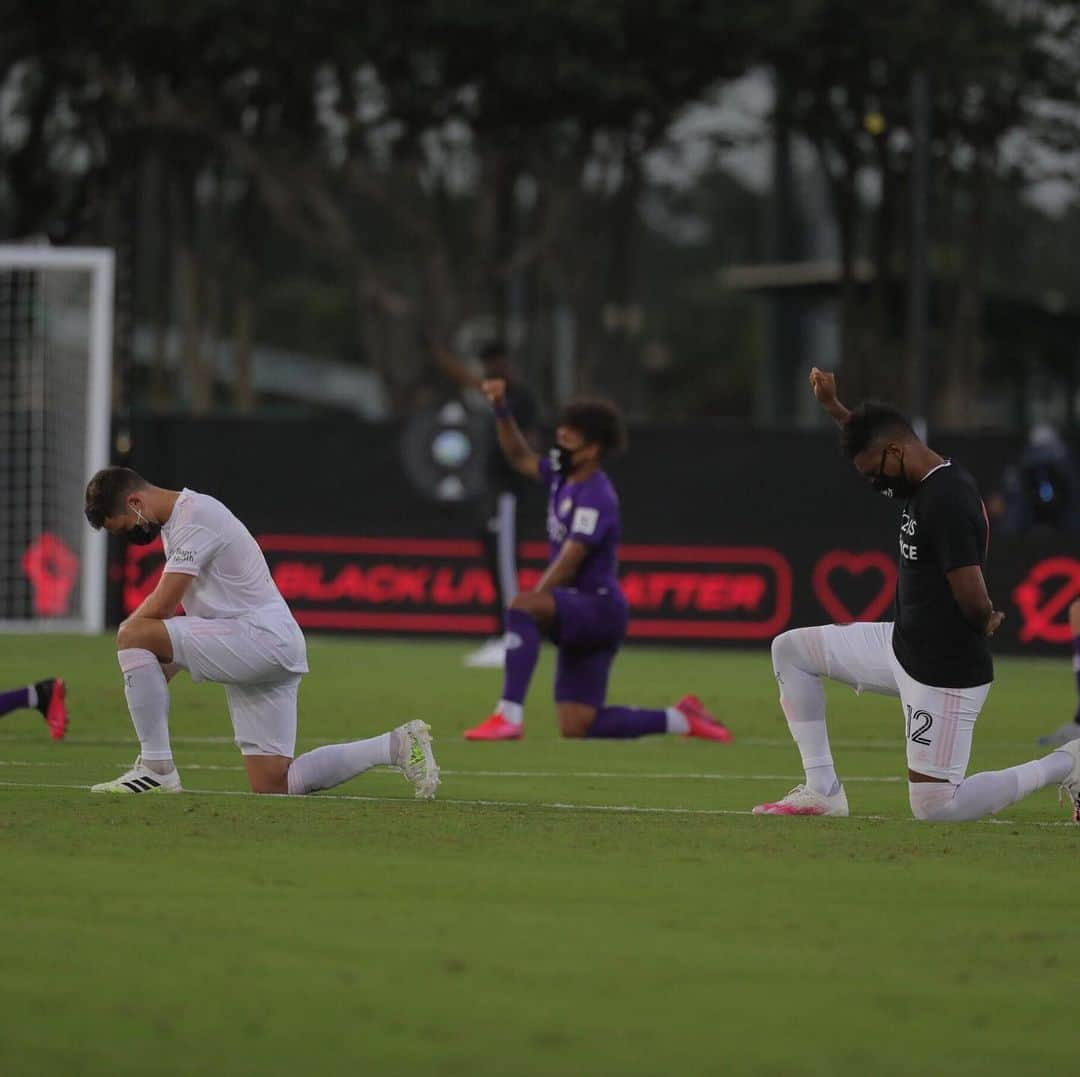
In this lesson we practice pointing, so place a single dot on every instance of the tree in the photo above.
(847, 68)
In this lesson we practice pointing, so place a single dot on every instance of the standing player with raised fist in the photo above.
(935, 656)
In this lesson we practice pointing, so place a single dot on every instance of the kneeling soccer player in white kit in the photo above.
(238, 632)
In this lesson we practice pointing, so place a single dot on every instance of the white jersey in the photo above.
(205, 540)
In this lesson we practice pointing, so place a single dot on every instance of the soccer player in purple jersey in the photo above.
(578, 603)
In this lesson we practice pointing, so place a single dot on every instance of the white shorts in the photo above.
(254, 665)
(939, 723)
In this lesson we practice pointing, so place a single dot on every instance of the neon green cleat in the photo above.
(415, 759)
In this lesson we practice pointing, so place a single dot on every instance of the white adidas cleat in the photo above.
(802, 800)
(492, 655)
(415, 759)
(1070, 787)
(141, 779)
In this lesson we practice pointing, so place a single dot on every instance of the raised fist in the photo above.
(495, 390)
(823, 384)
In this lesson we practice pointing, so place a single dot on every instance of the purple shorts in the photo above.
(589, 630)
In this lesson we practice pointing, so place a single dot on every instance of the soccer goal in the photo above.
(56, 317)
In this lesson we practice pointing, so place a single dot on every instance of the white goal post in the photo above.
(56, 326)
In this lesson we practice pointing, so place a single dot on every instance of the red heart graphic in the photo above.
(855, 564)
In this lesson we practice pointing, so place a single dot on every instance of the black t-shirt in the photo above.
(942, 527)
(501, 477)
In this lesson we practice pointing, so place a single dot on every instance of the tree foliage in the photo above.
(430, 161)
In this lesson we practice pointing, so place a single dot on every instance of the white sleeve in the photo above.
(192, 548)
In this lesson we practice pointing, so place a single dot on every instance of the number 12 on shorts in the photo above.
(918, 726)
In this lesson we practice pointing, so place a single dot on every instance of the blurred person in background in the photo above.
(498, 509)
(1041, 490)
(1069, 730)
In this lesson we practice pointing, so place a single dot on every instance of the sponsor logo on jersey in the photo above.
(585, 521)
(908, 550)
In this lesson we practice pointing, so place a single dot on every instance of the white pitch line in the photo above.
(669, 776)
(618, 809)
(572, 743)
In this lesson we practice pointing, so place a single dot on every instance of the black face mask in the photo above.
(899, 486)
(145, 533)
(562, 460)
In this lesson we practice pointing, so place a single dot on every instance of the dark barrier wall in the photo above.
(729, 536)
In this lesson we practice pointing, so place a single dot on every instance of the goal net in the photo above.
(55, 369)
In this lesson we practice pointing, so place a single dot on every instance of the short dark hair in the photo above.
(598, 422)
(106, 491)
(870, 420)
(493, 349)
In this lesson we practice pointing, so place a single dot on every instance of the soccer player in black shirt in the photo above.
(497, 525)
(935, 656)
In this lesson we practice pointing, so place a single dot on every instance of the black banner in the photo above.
(730, 537)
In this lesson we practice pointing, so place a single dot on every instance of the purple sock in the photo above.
(522, 653)
(1076, 673)
(624, 723)
(14, 701)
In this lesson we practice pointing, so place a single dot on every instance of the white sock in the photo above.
(676, 721)
(798, 664)
(31, 696)
(512, 712)
(986, 793)
(325, 767)
(148, 701)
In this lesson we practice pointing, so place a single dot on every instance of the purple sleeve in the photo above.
(593, 518)
(544, 464)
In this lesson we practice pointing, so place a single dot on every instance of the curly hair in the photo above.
(598, 422)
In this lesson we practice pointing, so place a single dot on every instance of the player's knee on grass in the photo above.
(931, 802)
(575, 719)
(268, 773)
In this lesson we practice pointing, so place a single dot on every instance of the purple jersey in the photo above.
(588, 512)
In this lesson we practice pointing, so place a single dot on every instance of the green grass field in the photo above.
(563, 907)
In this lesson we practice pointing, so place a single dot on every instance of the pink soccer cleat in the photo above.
(802, 800)
(702, 723)
(52, 700)
(495, 728)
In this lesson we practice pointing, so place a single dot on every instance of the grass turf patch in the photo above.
(630, 930)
